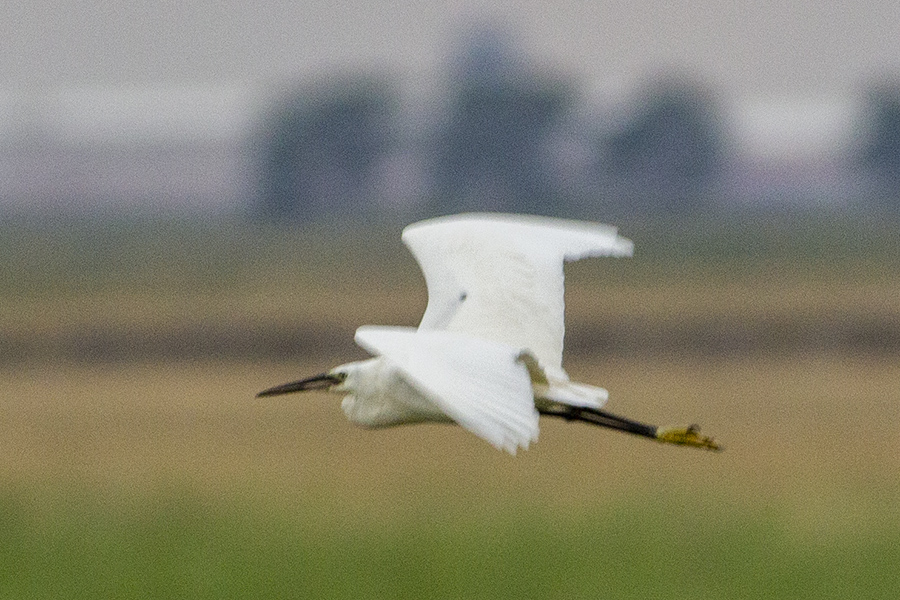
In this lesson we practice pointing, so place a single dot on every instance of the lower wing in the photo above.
(480, 384)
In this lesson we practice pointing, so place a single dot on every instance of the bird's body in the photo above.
(382, 397)
(488, 351)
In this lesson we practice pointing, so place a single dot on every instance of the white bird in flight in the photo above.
(488, 351)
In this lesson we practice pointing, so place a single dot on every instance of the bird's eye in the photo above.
(463, 296)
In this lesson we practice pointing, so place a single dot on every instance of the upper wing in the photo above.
(478, 383)
(500, 277)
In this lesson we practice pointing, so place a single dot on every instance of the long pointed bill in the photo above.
(322, 381)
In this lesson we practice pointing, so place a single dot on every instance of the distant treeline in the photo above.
(509, 138)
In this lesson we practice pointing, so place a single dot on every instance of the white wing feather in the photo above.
(500, 277)
(478, 383)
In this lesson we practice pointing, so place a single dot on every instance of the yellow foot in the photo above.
(686, 436)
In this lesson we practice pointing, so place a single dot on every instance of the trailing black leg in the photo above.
(685, 436)
(602, 418)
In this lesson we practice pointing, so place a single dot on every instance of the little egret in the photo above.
(488, 351)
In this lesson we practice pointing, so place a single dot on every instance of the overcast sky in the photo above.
(762, 48)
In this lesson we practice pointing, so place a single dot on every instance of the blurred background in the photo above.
(201, 200)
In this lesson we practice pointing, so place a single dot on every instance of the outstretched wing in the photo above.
(478, 383)
(500, 277)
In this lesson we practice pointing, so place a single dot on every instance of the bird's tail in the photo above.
(570, 393)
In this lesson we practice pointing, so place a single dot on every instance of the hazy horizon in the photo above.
(768, 48)
(98, 98)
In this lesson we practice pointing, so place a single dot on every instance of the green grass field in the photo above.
(164, 477)
(178, 546)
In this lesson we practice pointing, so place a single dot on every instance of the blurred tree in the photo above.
(318, 151)
(880, 152)
(667, 154)
(492, 152)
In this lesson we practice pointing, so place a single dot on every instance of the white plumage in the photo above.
(476, 382)
(488, 351)
(500, 277)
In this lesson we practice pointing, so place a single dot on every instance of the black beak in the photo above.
(316, 382)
